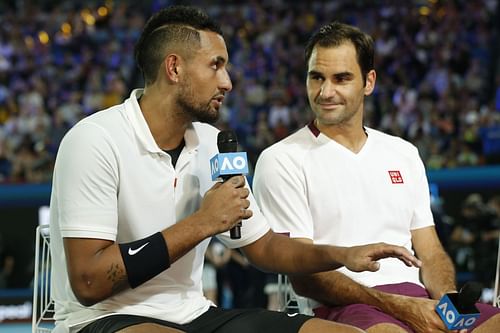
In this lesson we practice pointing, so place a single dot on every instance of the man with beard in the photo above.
(338, 182)
(133, 206)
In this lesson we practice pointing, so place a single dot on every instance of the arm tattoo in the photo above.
(117, 277)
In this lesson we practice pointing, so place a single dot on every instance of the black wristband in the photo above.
(145, 258)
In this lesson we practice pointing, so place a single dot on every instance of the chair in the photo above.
(496, 295)
(289, 301)
(43, 305)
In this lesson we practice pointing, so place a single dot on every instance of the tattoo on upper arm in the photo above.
(117, 277)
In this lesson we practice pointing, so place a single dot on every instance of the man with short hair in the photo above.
(338, 182)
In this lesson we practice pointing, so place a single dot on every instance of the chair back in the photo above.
(289, 301)
(43, 305)
(496, 295)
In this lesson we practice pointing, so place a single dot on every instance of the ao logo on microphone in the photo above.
(228, 164)
(452, 317)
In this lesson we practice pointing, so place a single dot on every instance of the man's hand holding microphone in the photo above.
(226, 203)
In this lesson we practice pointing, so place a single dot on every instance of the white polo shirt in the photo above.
(314, 188)
(112, 181)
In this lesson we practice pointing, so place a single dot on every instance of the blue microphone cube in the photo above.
(452, 317)
(228, 164)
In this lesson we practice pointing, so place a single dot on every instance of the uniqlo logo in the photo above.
(396, 177)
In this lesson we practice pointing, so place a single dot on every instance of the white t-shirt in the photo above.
(312, 187)
(112, 181)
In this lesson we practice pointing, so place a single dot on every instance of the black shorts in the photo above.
(215, 320)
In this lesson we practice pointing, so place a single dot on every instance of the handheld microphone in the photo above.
(458, 310)
(229, 163)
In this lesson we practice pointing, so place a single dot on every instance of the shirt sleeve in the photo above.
(86, 183)
(422, 215)
(280, 189)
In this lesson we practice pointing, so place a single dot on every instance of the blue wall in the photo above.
(468, 179)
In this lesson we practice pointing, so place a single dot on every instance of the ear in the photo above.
(172, 67)
(371, 77)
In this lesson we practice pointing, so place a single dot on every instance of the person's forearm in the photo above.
(278, 253)
(184, 236)
(334, 288)
(438, 275)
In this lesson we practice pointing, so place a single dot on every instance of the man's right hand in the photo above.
(418, 313)
(224, 205)
(364, 257)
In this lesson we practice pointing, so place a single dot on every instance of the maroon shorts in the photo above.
(365, 316)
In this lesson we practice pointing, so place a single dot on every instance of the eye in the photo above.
(316, 77)
(218, 64)
(343, 77)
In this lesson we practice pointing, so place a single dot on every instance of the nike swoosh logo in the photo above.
(133, 252)
(291, 314)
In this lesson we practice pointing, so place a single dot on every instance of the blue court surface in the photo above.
(15, 328)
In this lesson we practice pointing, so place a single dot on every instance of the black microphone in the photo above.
(458, 310)
(468, 296)
(227, 142)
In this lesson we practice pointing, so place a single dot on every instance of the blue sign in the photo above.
(452, 318)
(228, 164)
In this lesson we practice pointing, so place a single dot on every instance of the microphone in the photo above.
(458, 310)
(229, 163)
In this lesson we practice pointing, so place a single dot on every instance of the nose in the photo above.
(225, 82)
(328, 90)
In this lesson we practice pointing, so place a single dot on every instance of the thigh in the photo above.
(149, 328)
(386, 328)
(487, 311)
(217, 320)
(319, 325)
(131, 324)
(360, 315)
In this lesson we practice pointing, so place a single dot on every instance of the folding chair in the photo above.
(496, 295)
(43, 305)
(289, 301)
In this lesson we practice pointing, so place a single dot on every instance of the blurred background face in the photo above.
(335, 87)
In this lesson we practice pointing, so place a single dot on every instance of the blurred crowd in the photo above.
(437, 86)
(435, 60)
(473, 243)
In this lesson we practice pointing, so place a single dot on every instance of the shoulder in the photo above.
(293, 147)
(94, 130)
(286, 156)
(395, 143)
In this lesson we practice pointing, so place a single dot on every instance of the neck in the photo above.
(353, 137)
(166, 123)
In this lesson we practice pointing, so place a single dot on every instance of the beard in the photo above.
(197, 111)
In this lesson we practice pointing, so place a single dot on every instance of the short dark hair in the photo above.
(171, 25)
(335, 34)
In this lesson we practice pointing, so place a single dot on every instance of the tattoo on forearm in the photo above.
(117, 277)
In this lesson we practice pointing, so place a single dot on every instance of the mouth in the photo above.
(329, 106)
(218, 100)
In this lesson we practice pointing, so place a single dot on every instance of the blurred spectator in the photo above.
(433, 59)
(216, 257)
(6, 264)
(279, 112)
(490, 137)
(491, 236)
(474, 239)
